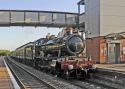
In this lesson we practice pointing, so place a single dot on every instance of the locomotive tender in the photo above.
(61, 55)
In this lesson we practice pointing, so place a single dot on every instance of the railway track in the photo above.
(113, 79)
(33, 79)
(102, 80)
(25, 80)
(89, 84)
(62, 84)
(86, 84)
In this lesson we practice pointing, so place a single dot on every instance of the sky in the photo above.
(13, 37)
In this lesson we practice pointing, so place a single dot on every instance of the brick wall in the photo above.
(97, 48)
(93, 48)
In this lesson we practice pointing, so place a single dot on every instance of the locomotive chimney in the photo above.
(48, 36)
(71, 30)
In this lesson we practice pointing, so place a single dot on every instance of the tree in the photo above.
(4, 52)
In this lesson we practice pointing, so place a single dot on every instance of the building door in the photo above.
(117, 52)
(113, 52)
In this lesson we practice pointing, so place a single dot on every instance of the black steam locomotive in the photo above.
(58, 55)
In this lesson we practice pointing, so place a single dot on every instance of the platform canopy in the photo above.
(116, 36)
(37, 18)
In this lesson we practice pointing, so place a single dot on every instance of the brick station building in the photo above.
(105, 20)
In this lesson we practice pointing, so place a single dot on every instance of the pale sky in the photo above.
(13, 37)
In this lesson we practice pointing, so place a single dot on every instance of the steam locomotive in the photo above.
(61, 55)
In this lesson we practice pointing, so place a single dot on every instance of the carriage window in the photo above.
(37, 43)
(41, 42)
(50, 42)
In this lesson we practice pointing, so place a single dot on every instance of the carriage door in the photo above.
(113, 52)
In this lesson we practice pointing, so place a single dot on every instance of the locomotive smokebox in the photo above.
(75, 44)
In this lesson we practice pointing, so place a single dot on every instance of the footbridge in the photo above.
(37, 18)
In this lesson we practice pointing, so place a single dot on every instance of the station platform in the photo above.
(115, 67)
(7, 80)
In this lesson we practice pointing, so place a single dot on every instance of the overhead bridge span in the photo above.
(37, 18)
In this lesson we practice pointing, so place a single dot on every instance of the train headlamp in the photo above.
(70, 67)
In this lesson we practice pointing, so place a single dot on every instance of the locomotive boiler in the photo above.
(69, 45)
